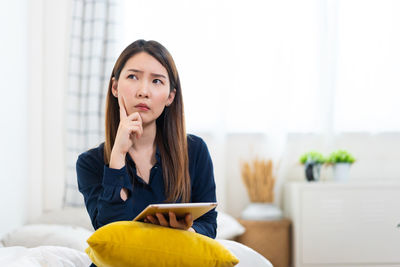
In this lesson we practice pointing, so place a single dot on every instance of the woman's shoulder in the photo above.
(196, 145)
(89, 167)
(92, 156)
(195, 141)
(199, 157)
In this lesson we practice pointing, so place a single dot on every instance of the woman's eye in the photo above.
(157, 81)
(132, 76)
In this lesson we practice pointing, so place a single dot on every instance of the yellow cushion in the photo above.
(128, 243)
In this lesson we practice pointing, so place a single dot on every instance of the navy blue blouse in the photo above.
(101, 186)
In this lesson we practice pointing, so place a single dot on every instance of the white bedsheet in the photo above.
(56, 256)
(247, 256)
(42, 256)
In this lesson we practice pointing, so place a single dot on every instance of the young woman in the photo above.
(146, 157)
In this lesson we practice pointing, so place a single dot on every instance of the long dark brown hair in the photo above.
(171, 133)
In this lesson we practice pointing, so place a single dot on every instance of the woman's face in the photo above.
(144, 86)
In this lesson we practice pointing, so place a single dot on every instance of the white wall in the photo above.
(13, 113)
(49, 23)
(57, 15)
(33, 71)
(35, 107)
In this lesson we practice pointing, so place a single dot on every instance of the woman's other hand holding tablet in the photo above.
(183, 224)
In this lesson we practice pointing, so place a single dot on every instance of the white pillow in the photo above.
(247, 256)
(70, 215)
(35, 235)
(228, 227)
(43, 256)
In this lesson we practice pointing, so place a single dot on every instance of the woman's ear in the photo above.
(171, 97)
(114, 87)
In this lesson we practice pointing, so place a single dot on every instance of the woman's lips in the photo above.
(142, 107)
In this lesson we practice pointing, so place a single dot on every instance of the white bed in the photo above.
(59, 239)
(54, 256)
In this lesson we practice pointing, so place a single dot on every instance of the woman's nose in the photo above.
(143, 91)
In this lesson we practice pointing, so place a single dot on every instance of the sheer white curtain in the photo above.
(91, 58)
(244, 67)
(300, 66)
(368, 81)
(277, 67)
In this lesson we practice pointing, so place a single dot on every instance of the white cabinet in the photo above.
(347, 224)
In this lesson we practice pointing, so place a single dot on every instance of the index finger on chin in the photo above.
(122, 110)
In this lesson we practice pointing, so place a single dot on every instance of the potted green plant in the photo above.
(341, 161)
(312, 161)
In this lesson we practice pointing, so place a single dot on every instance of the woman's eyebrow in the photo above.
(152, 74)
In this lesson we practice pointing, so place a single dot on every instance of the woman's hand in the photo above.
(129, 127)
(184, 224)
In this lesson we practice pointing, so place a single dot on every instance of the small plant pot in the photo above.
(341, 172)
(312, 171)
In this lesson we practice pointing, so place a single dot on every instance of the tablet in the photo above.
(180, 210)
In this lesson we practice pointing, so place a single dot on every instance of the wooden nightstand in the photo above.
(271, 239)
